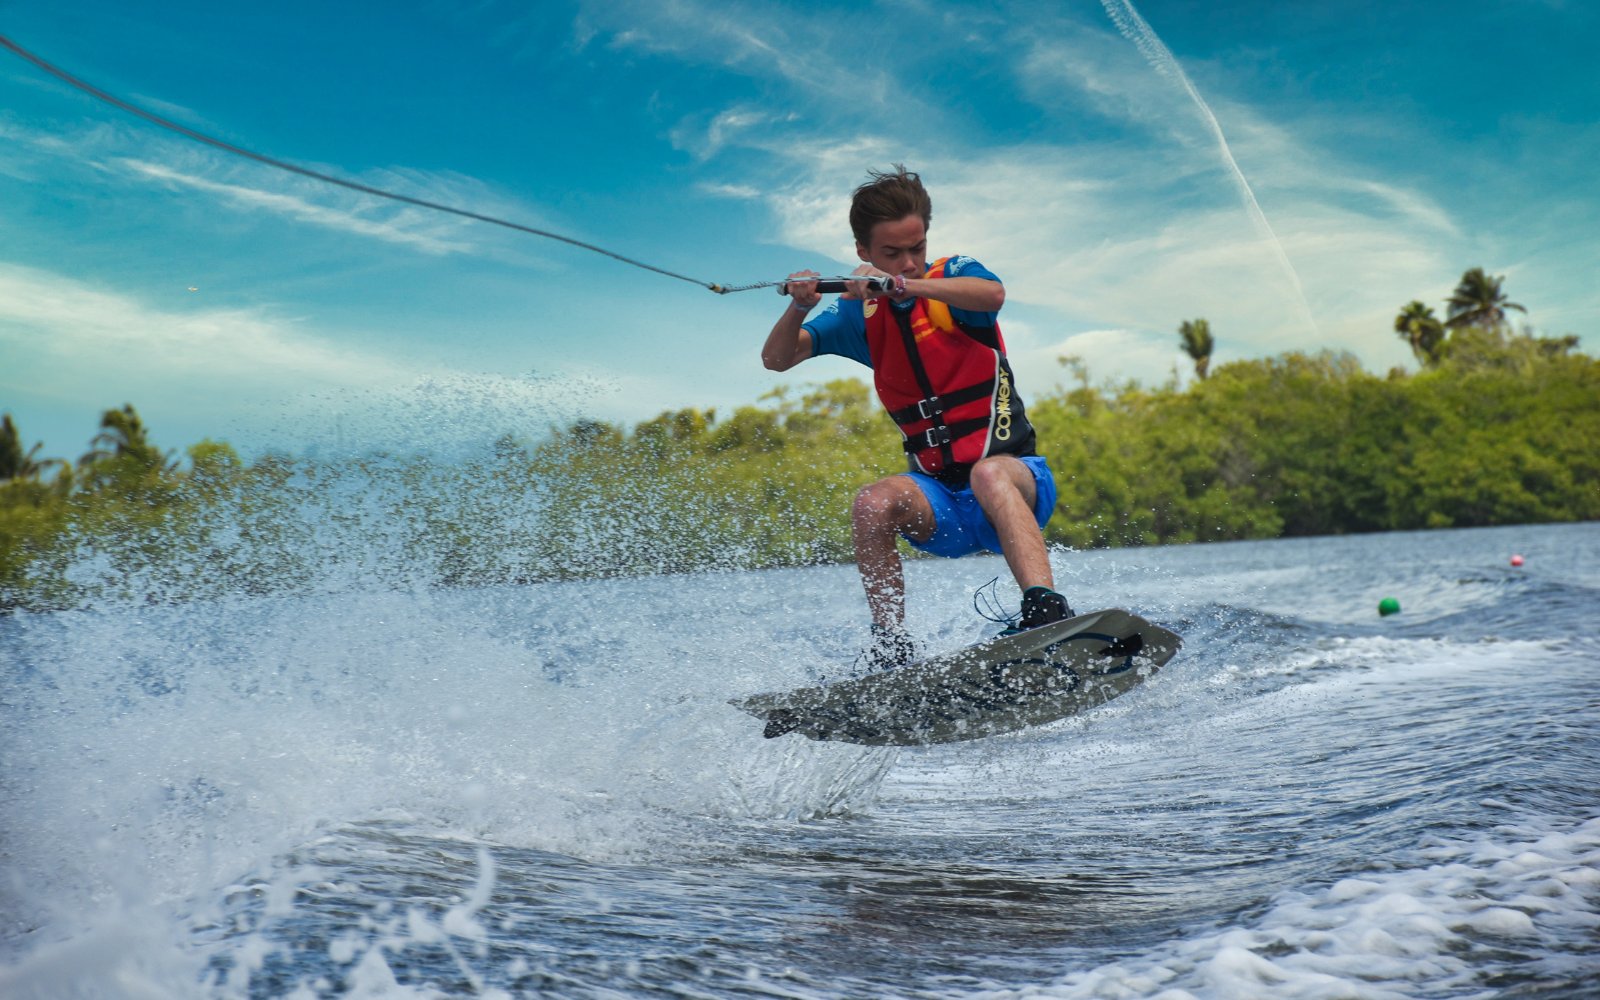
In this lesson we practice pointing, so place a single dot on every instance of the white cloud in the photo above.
(706, 141)
(117, 155)
(764, 41)
(68, 340)
(394, 230)
(808, 60)
(1036, 355)
(739, 192)
(1073, 68)
(98, 335)
(176, 112)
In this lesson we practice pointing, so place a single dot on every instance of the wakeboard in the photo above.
(998, 686)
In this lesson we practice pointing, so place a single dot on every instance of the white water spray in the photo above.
(1139, 32)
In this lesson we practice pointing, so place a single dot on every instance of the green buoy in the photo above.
(1388, 606)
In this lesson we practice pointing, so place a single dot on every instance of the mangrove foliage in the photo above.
(1495, 429)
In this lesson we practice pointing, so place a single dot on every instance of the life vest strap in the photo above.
(943, 434)
(909, 339)
(932, 407)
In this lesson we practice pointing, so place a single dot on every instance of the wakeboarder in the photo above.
(974, 481)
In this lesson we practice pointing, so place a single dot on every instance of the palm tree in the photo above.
(1197, 343)
(1419, 327)
(14, 462)
(125, 434)
(1478, 301)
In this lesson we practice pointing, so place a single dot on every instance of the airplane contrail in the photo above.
(1149, 44)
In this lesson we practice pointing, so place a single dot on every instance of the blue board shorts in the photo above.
(960, 527)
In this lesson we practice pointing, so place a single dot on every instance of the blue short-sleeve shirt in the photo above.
(842, 327)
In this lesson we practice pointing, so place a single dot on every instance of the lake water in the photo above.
(539, 791)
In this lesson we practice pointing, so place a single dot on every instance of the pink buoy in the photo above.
(1516, 560)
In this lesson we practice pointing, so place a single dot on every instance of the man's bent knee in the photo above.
(875, 505)
(994, 477)
(990, 474)
(869, 500)
(893, 505)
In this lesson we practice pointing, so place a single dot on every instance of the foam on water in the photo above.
(1428, 930)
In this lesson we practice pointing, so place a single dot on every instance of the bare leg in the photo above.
(1005, 490)
(883, 510)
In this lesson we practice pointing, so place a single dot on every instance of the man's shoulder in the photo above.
(960, 265)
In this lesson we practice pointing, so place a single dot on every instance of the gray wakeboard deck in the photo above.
(999, 686)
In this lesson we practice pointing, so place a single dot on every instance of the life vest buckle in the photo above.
(936, 436)
(930, 407)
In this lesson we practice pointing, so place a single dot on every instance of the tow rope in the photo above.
(114, 101)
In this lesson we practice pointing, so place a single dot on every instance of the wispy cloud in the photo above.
(119, 155)
(740, 192)
(176, 112)
(768, 41)
(1111, 355)
(1150, 45)
(101, 335)
(704, 141)
(294, 387)
(401, 229)
(809, 64)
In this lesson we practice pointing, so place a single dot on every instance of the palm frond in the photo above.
(1197, 342)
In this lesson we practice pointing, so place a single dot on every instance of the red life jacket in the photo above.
(947, 384)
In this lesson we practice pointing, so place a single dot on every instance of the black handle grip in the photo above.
(837, 285)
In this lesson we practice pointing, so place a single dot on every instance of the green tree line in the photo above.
(1497, 428)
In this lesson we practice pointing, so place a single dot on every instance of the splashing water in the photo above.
(1139, 32)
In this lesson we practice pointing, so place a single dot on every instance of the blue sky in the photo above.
(1390, 147)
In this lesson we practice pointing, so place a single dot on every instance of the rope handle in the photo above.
(839, 283)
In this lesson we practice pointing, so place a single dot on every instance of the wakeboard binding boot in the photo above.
(889, 648)
(1040, 606)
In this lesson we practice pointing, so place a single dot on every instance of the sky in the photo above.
(1389, 147)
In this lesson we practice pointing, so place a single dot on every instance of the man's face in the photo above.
(898, 247)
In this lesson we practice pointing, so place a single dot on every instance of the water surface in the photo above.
(539, 791)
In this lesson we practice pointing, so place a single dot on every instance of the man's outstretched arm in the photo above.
(788, 344)
(970, 293)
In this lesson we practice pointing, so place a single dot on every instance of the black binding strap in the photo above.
(915, 356)
(931, 408)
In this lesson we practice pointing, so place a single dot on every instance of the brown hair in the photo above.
(888, 197)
